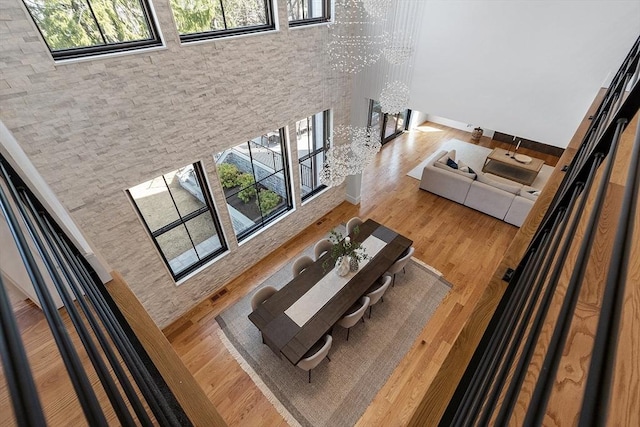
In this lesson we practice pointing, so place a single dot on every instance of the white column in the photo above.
(354, 188)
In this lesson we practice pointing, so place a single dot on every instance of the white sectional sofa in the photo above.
(487, 193)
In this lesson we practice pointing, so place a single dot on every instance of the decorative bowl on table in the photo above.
(522, 158)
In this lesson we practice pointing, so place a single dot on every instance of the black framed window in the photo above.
(79, 28)
(389, 126)
(181, 218)
(304, 12)
(312, 134)
(255, 179)
(206, 19)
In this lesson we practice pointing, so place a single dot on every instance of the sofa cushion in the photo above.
(501, 183)
(463, 167)
(489, 199)
(448, 155)
(529, 193)
(444, 166)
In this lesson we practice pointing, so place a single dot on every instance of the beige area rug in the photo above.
(341, 389)
(474, 156)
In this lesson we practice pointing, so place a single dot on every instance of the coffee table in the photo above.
(500, 162)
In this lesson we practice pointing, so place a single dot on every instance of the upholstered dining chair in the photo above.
(321, 247)
(354, 314)
(376, 292)
(300, 264)
(261, 296)
(399, 265)
(353, 223)
(316, 355)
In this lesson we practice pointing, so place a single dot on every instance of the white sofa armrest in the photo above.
(518, 211)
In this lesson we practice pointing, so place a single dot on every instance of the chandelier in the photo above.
(394, 98)
(355, 40)
(357, 151)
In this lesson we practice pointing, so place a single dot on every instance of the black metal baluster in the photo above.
(81, 384)
(600, 375)
(544, 385)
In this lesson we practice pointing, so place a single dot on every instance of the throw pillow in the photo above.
(452, 164)
(446, 156)
(462, 166)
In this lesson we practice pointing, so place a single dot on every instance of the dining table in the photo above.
(305, 309)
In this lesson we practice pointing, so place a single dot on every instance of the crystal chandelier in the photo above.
(376, 8)
(398, 50)
(355, 40)
(357, 151)
(394, 98)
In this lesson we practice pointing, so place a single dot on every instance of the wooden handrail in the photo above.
(187, 391)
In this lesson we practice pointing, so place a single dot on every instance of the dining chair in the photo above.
(376, 292)
(315, 355)
(353, 223)
(354, 314)
(300, 264)
(321, 247)
(261, 296)
(399, 265)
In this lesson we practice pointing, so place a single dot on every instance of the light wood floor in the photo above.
(465, 245)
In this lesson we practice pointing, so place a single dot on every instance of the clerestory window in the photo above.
(206, 19)
(80, 28)
(305, 12)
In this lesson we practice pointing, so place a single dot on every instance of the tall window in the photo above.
(255, 179)
(313, 141)
(77, 28)
(181, 219)
(205, 19)
(303, 12)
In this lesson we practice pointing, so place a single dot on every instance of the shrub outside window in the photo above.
(181, 219)
(255, 179)
(312, 134)
(79, 28)
(205, 19)
(305, 12)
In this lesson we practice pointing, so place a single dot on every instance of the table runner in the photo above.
(315, 298)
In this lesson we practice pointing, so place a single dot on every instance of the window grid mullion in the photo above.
(95, 19)
(224, 15)
(180, 215)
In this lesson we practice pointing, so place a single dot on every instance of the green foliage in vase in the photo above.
(267, 201)
(345, 246)
(247, 183)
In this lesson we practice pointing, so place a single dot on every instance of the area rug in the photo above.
(474, 156)
(341, 389)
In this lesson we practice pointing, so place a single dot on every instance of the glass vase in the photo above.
(353, 264)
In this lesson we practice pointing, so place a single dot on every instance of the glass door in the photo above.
(388, 125)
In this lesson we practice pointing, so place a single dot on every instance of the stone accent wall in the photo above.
(96, 127)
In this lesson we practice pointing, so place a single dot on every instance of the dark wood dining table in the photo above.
(283, 335)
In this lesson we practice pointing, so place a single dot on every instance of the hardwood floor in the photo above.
(465, 245)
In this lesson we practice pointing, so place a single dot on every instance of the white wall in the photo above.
(527, 68)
